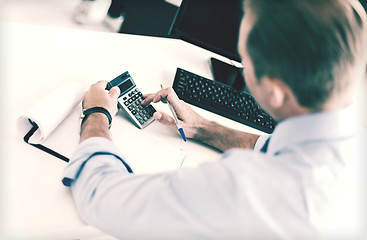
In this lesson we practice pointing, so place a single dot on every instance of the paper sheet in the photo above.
(51, 111)
(143, 151)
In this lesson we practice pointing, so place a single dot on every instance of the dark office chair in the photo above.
(148, 17)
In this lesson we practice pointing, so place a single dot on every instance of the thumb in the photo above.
(115, 92)
(165, 119)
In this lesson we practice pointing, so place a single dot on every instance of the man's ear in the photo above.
(276, 92)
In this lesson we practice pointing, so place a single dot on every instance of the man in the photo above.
(302, 60)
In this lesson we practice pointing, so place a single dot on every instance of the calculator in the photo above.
(130, 100)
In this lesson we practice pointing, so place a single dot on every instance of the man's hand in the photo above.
(190, 121)
(97, 124)
(98, 96)
(197, 127)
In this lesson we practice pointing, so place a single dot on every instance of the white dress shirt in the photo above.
(309, 184)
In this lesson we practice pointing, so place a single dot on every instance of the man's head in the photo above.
(313, 49)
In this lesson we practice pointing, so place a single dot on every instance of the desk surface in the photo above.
(37, 59)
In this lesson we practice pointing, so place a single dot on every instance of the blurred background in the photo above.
(143, 17)
(147, 17)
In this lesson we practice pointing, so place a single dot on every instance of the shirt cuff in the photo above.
(86, 150)
(260, 142)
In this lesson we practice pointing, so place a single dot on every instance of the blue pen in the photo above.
(181, 131)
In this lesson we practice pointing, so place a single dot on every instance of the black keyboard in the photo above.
(221, 99)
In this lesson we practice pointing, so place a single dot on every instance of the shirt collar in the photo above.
(313, 127)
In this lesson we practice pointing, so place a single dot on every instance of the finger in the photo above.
(160, 96)
(173, 98)
(114, 92)
(147, 98)
(101, 84)
(164, 119)
(155, 97)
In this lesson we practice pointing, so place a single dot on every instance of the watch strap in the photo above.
(89, 111)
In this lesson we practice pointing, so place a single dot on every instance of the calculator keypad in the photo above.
(132, 102)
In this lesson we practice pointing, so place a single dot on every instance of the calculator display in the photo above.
(126, 85)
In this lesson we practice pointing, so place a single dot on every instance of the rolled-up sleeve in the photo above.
(95, 147)
(260, 142)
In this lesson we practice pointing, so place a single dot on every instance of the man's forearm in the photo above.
(224, 138)
(96, 125)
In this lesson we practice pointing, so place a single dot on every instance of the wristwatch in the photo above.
(89, 111)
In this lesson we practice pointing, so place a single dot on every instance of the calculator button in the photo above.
(134, 112)
(130, 107)
(141, 121)
(124, 98)
(137, 116)
(126, 103)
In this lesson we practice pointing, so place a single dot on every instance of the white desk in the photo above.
(35, 60)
